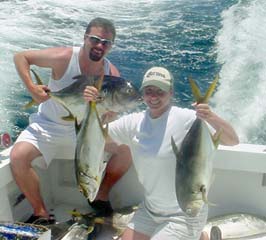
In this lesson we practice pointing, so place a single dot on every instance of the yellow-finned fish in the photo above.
(90, 157)
(194, 160)
(71, 97)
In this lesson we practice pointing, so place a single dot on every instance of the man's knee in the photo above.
(22, 154)
(120, 161)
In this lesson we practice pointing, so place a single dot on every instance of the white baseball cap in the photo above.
(158, 77)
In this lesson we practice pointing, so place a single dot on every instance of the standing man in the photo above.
(47, 134)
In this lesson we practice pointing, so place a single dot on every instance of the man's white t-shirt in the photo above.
(150, 144)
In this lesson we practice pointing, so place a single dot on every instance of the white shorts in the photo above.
(175, 227)
(50, 139)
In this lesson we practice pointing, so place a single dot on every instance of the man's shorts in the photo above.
(171, 227)
(51, 140)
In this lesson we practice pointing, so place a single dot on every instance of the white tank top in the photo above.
(52, 110)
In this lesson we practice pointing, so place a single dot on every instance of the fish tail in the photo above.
(100, 82)
(29, 105)
(39, 82)
(70, 116)
(37, 77)
(211, 89)
(197, 93)
(104, 129)
(195, 90)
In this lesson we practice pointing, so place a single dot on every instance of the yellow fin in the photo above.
(211, 89)
(216, 138)
(99, 220)
(29, 104)
(39, 82)
(75, 213)
(196, 91)
(90, 229)
(204, 196)
(37, 77)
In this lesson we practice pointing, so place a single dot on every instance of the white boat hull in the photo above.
(239, 186)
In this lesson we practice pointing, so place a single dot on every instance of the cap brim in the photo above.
(162, 85)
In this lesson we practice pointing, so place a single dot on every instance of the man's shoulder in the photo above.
(63, 52)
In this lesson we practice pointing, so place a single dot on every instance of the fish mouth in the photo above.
(194, 208)
(91, 192)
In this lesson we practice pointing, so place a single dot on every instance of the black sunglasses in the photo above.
(96, 40)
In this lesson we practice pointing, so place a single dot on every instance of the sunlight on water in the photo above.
(242, 50)
(178, 34)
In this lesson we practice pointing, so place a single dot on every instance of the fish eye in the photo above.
(129, 90)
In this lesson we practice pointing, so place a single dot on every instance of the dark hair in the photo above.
(104, 23)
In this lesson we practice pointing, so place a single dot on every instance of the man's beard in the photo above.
(95, 57)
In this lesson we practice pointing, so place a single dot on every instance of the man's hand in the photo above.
(40, 93)
(91, 94)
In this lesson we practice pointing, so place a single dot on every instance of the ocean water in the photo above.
(192, 38)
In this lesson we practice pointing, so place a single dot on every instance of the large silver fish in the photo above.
(236, 226)
(194, 160)
(90, 158)
(71, 97)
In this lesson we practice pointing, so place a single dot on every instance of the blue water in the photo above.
(192, 38)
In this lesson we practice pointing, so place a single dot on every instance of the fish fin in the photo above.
(70, 116)
(216, 138)
(90, 229)
(176, 152)
(77, 125)
(75, 213)
(210, 90)
(204, 193)
(99, 220)
(174, 147)
(37, 77)
(29, 104)
(99, 83)
(104, 129)
(196, 91)
(203, 190)
(77, 77)
(39, 82)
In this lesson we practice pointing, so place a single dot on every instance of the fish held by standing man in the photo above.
(90, 157)
(71, 97)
